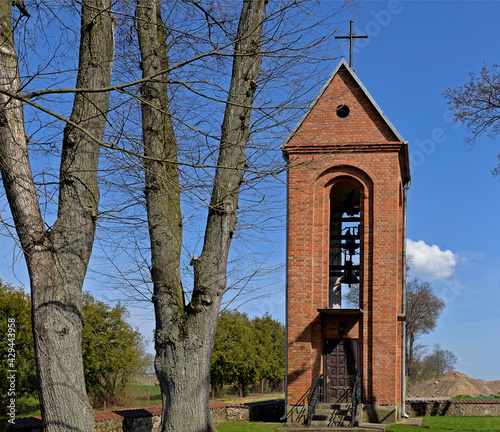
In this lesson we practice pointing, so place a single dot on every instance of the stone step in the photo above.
(330, 424)
(328, 420)
(324, 411)
(334, 406)
(331, 418)
(332, 413)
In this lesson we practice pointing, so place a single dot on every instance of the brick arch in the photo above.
(325, 182)
(348, 171)
(331, 187)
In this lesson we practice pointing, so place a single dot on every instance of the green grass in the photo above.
(28, 407)
(240, 426)
(467, 397)
(455, 424)
(139, 395)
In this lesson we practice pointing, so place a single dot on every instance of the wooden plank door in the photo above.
(341, 367)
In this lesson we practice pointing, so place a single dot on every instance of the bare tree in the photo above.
(197, 111)
(438, 362)
(236, 160)
(423, 308)
(185, 332)
(57, 258)
(477, 104)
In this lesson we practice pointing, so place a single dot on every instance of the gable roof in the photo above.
(341, 64)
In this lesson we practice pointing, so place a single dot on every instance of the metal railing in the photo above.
(315, 395)
(357, 392)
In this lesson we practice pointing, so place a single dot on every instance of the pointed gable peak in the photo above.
(339, 70)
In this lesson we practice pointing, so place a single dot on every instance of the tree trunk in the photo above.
(185, 333)
(57, 259)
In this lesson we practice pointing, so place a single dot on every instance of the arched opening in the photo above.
(345, 246)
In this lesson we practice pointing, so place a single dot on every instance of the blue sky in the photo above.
(415, 51)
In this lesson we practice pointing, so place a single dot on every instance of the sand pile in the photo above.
(495, 386)
(453, 384)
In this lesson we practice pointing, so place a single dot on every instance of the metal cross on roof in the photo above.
(351, 36)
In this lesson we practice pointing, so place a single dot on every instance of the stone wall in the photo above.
(109, 425)
(141, 424)
(148, 420)
(453, 408)
(270, 411)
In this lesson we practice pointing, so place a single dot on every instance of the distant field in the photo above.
(140, 396)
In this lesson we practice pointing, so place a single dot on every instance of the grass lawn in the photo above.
(139, 395)
(456, 424)
(242, 426)
(28, 407)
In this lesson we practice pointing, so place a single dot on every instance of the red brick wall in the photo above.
(360, 149)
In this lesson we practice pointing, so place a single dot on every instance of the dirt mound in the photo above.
(495, 386)
(453, 384)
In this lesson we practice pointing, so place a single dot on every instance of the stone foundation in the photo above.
(384, 414)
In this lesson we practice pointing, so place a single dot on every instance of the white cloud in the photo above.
(430, 262)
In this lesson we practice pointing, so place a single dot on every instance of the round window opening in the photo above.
(343, 111)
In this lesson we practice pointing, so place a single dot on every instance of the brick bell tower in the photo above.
(347, 180)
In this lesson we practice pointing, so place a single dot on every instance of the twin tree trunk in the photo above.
(185, 332)
(57, 258)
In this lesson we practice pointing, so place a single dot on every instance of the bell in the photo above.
(350, 244)
(349, 203)
(349, 276)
